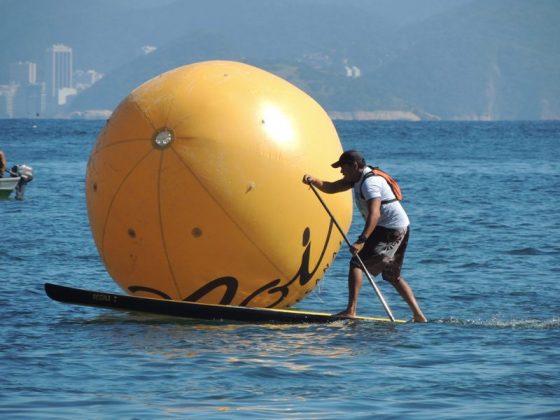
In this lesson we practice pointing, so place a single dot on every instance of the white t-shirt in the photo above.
(393, 215)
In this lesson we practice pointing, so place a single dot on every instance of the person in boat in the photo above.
(382, 244)
(3, 163)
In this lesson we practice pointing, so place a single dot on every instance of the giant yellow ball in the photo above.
(194, 188)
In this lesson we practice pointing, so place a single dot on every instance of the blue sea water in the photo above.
(483, 260)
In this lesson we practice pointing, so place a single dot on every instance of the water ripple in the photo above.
(531, 324)
(483, 268)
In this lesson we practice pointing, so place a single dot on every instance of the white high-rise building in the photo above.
(58, 69)
(23, 73)
(24, 98)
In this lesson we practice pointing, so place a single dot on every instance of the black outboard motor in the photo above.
(26, 176)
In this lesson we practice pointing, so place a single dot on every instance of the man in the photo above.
(382, 243)
(3, 163)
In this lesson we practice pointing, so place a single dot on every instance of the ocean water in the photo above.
(483, 260)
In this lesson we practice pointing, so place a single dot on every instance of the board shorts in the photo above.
(386, 246)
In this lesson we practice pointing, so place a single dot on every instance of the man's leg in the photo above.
(355, 278)
(406, 293)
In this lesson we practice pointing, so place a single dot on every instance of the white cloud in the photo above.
(148, 49)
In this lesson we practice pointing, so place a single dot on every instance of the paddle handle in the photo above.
(368, 275)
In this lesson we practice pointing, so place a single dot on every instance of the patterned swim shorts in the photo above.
(384, 252)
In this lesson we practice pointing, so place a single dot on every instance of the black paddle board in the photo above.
(193, 310)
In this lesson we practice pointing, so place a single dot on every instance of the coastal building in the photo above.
(47, 93)
(23, 73)
(30, 101)
(58, 71)
(25, 98)
(7, 94)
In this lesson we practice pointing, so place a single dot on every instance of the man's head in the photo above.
(351, 163)
(349, 157)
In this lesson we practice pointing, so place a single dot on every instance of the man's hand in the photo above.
(308, 179)
(356, 247)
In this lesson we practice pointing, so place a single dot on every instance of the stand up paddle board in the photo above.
(192, 309)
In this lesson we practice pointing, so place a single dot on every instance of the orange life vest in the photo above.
(375, 171)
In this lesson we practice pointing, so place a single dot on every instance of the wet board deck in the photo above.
(192, 309)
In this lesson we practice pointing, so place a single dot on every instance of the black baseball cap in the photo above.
(349, 157)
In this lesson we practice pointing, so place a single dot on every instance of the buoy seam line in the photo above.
(110, 208)
(149, 121)
(176, 126)
(142, 114)
(164, 243)
(228, 216)
(168, 111)
(97, 151)
(159, 208)
(325, 246)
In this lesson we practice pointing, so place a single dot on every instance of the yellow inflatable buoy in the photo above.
(194, 188)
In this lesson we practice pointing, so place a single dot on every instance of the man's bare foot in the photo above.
(420, 318)
(346, 314)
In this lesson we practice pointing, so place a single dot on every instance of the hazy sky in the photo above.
(471, 57)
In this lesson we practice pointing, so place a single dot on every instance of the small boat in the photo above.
(20, 176)
(7, 185)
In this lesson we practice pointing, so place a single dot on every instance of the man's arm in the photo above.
(374, 213)
(326, 186)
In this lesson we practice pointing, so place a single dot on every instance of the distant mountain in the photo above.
(442, 59)
(497, 59)
(104, 34)
(310, 42)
